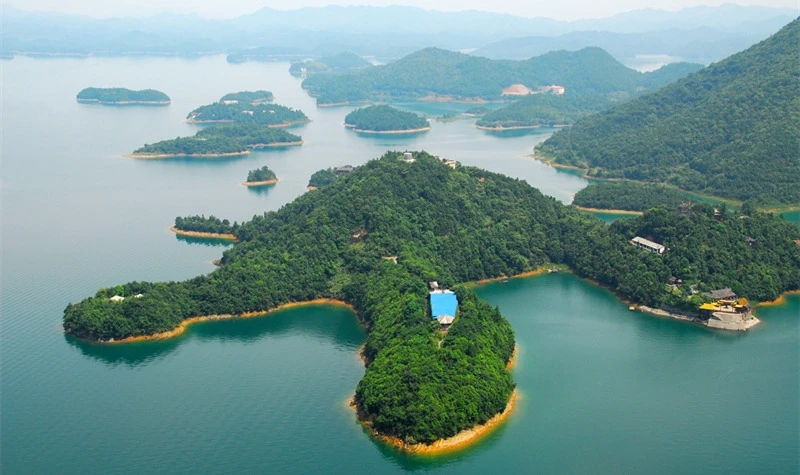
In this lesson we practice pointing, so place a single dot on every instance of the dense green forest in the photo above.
(628, 195)
(322, 177)
(335, 64)
(249, 97)
(588, 72)
(261, 174)
(245, 113)
(478, 111)
(547, 110)
(384, 118)
(116, 95)
(221, 139)
(201, 224)
(729, 130)
(451, 226)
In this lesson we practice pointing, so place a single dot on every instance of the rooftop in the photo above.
(443, 302)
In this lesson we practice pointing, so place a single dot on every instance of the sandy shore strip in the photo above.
(260, 183)
(460, 441)
(150, 156)
(184, 324)
(199, 234)
(538, 271)
(781, 300)
(388, 132)
(615, 211)
(500, 128)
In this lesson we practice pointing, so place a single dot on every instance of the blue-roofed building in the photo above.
(443, 302)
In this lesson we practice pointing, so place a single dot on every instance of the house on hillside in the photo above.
(344, 170)
(648, 244)
(443, 302)
(721, 294)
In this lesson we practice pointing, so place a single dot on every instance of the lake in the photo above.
(602, 389)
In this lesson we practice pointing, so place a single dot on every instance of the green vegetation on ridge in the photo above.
(729, 130)
(452, 226)
(221, 139)
(384, 118)
(588, 72)
(322, 177)
(118, 95)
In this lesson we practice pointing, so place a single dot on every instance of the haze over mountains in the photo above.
(695, 34)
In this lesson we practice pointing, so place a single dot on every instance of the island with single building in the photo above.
(383, 119)
(247, 97)
(219, 141)
(262, 113)
(261, 177)
(121, 96)
(379, 235)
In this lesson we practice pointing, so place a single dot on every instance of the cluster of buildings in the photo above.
(523, 90)
(726, 311)
(408, 157)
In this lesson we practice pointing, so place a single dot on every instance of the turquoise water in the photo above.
(603, 389)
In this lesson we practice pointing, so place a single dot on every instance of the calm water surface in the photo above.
(603, 389)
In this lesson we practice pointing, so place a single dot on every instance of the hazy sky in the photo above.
(560, 9)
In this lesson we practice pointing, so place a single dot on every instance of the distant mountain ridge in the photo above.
(730, 130)
(387, 32)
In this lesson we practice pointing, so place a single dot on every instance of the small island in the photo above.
(122, 97)
(477, 111)
(220, 141)
(627, 196)
(261, 177)
(207, 228)
(384, 119)
(273, 115)
(247, 97)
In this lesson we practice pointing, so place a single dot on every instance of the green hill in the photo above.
(452, 226)
(119, 95)
(274, 115)
(433, 71)
(249, 97)
(730, 130)
(628, 195)
(384, 118)
(221, 139)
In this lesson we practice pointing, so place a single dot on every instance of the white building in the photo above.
(648, 244)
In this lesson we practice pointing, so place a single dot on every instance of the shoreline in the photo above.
(200, 234)
(615, 211)
(152, 156)
(124, 103)
(276, 144)
(227, 316)
(260, 183)
(455, 443)
(500, 128)
(388, 132)
(230, 121)
(531, 273)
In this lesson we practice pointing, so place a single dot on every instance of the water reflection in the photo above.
(210, 242)
(320, 322)
(261, 191)
(516, 132)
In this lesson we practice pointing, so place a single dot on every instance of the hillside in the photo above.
(729, 130)
(451, 75)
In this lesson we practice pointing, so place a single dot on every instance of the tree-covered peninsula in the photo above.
(436, 74)
(729, 130)
(548, 110)
(122, 96)
(202, 225)
(273, 115)
(219, 140)
(385, 119)
(336, 64)
(628, 196)
(452, 226)
(261, 176)
(248, 97)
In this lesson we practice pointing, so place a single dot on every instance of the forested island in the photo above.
(220, 140)
(335, 64)
(628, 196)
(261, 177)
(122, 96)
(437, 74)
(729, 130)
(248, 97)
(384, 119)
(202, 227)
(452, 226)
(273, 115)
